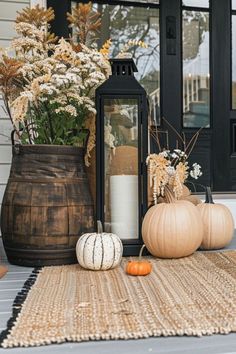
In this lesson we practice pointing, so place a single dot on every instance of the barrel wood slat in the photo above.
(47, 205)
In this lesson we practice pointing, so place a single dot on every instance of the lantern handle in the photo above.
(99, 227)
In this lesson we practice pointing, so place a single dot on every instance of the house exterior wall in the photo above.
(8, 11)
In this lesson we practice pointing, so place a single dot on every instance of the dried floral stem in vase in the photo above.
(168, 171)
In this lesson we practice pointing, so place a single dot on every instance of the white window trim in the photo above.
(42, 3)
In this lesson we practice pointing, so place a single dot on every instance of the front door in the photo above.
(196, 81)
(187, 70)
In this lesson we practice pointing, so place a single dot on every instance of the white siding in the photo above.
(7, 29)
(6, 128)
(4, 42)
(5, 156)
(8, 9)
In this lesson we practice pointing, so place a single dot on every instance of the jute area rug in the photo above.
(195, 295)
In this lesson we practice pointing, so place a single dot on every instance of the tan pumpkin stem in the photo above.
(99, 227)
(169, 196)
(209, 199)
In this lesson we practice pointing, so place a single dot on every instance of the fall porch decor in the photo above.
(191, 296)
(218, 223)
(173, 229)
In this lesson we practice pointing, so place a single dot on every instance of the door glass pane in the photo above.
(196, 77)
(121, 167)
(234, 62)
(144, 1)
(233, 4)
(196, 3)
(124, 24)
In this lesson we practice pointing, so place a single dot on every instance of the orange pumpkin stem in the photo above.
(141, 252)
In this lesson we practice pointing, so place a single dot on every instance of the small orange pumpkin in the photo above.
(139, 267)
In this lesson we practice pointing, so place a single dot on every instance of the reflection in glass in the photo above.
(233, 4)
(196, 77)
(196, 3)
(145, 1)
(121, 212)
(123, 24)
(234, 62)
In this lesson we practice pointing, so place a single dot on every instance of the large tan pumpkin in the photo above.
(218, 223)
(172, 230)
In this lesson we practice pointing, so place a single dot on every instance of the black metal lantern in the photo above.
(121, 151)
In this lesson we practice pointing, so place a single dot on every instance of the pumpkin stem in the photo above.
(141, 252)
(169, 196)
(209, 199)
(99, 227)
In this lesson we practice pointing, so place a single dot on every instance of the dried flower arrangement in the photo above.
(169, 170)
(48, 85)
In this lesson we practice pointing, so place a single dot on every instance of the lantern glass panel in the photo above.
(121, 209)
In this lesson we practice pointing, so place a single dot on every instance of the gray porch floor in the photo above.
(215, 344)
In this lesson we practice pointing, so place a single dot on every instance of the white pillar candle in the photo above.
(124, 206)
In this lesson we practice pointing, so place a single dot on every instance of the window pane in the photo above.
(121, 209)
(128, 23)
(234, 62)
(196, 3)
(233, 4)
(122, 24)
(196, 77)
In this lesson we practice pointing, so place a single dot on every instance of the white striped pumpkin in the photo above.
(99, 251)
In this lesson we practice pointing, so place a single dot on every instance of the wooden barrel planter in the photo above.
(47, 205)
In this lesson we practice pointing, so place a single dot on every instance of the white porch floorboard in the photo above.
(15, 278)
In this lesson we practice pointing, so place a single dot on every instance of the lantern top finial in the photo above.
(123, 67)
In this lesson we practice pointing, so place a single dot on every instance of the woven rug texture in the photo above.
(195, 295)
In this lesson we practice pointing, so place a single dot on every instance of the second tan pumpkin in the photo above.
(218, 223)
